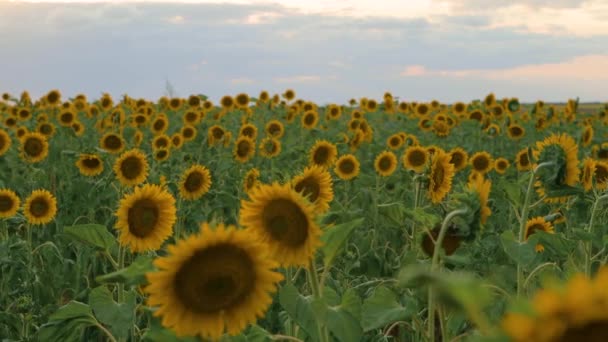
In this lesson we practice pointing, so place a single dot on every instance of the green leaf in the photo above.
(343, 320)
(119, 317)
(134, 274)
(94, 235)
(383, 308)
(300, 309)
(157, 333)
(420, 216)
(335, 238)
(522, 253)
(257, 334)
(67, 323)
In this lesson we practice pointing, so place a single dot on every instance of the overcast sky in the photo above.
(328, 51)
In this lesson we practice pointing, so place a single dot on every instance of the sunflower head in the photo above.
(251, 180)
(481, 162)
(40, 207)
(244, 149)
(416, 158)
(515, 131)
(145, 218)
(395, 141)
(219, 280)
(9, 203)
(249, 130)
(538, 224)
(316, 185)
(522, 160)
(385, 163)
(34, 147)
(347, 167)
(283, 219)
(561, 151)
(601, 175)
(131, 168)
(89, 165)
(501, 165)
(323, 153)
(459, 157)
(195, 182)
(440, 179)
(310, 119)
(112, 142)
(270, 147)
(5, 142)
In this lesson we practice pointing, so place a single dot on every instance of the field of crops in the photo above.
(272, 218)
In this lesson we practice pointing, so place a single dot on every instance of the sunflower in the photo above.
(227, 102)
(451, 240)
(284, 220)
(385, 163)
(577, 311)
(188, 132)
(422, 109)
(289, 94)
(66, 118)
(482, 187)
(161, 154)
(442, 172)
(562, 150)
(323, 153)
(310, 119)
(5, 142)
(522, 160)
(106, 102)
(40, 207)
(588, 173)
(10, 122)
(215, 134)
(270, 147)
(275, 129)
(249, 130)
(587, 135)
(191, 117)
(161, 141)
(78, 128)
(538, 224)
(371, 105)
(177, 141)
(131, 168)
(481, 162)
(241, 100)
(501, 165)
(138, 137)
(334, 112)
(175, 103)
(219, 280)
(112, 142)
(244, 149)
(53, 97)
(34, 147)
(459, 108)
(21, 132)
(9, 203)
(459, 158)
(195, 182)
(160, 124)
(251, 180)
(316, 185)
(515, 131)
(425, 124)
(89, 165)
(395, 141)
(415, 158)
(347, 167)
(601, 175)
(145, 218)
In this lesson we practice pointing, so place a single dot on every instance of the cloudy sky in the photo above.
(328, 51)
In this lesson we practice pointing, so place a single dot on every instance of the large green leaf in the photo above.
(343, 320)
(383, 308)
(303, 310)
(134, 274)
(94, 235)
(522, 253)
(335, 238)
(67, 323)
(119, 317)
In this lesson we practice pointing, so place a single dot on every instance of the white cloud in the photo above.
(298, 79)
(176, 20)
(582, 68)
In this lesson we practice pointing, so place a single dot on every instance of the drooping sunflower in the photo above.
(577, 311)
(89, 165)
(270, 147)
(515, 131)
(275, 129)
(5, 142)
(251, 181)
(562, 150)
(482, 187)
(40, 207)
(316, 185)
(244, 149)
(538, 224)
(9, 203)
(501, 165)
(145, 218)
(588, 173)
(482, 162)
(459, 158)
(522, 160)
(440, 179)
(282, 218)
(587, 135)
(385, 163)
(601, 175)
(195, 182)
(347, 167)
(415, 158)
(34, 147)
(219, 280)
(78, 128)
(310, 119)
(112, 142)
(131, 168)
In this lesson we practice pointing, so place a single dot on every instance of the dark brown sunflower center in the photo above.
(2, 141)
(321, 155)
(175, 103)
(533, 228)
(140, 119)
(309, 187)
(594, 331)
(248, 131)
(159, 125)
(242, 100)
(309, 119)
(161, 154)
(67, 117)
(191, 117)
(601, 174)
(523, 159)
(106, 103)
(602, 154)
(385, 163)
(6, 203)
(161, 142)
(39, 207)
(194, 181)
(270, 147)
(243, 148)
(143, 217)
(501, 165)
(274, 129)
(45, 129)
(188, 133)
(481, 163)
(33, 147)
(113, 142)
(286, 222)
(131, 167)
(587, 135)
(416, 158)
(438, 176)
(91, 163)
(347, 166)
(457, 159)
(216, 278)
(217, 133)
(516, 131)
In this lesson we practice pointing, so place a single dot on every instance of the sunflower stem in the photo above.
(522, 223)
(316, 292)
(588, 244)
(417, 190)
(121, 265)
(435, 266)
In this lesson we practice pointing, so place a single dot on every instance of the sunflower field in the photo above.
(273, 218)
